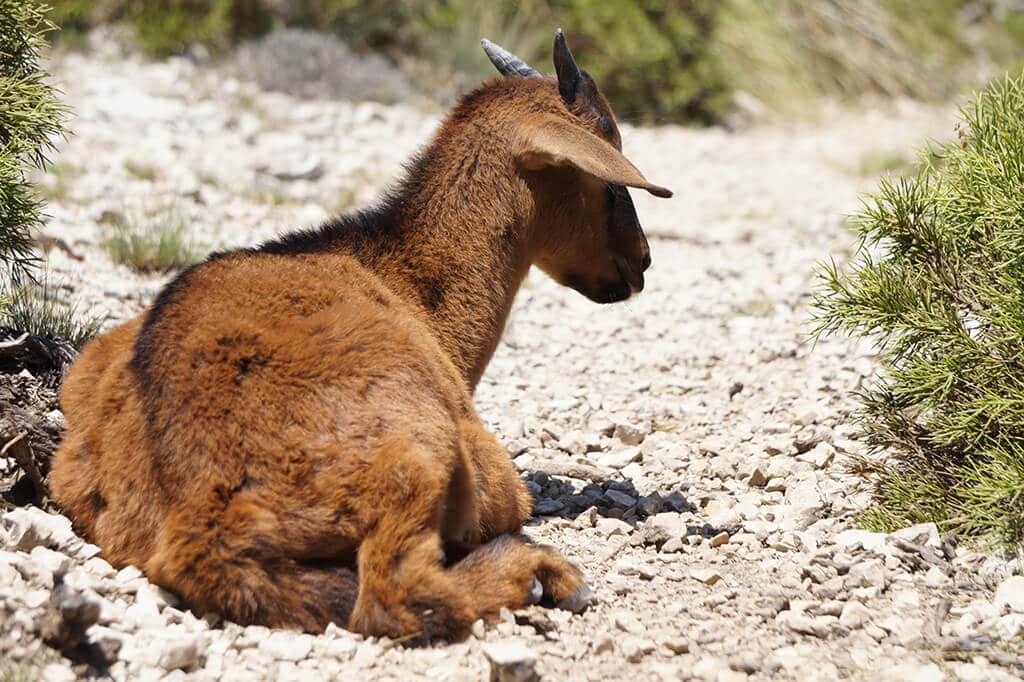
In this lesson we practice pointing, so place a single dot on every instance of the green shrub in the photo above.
(938, 284)
(154, 241)
(30, 116)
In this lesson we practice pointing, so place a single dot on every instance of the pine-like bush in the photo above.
(938, 283)
(30, 116)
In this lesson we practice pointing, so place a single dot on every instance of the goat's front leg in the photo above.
(503, 502)
(405, 589)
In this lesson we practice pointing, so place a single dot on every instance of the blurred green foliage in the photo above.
(167, 27)
(652, 57)
(782, 51)
(658, 60)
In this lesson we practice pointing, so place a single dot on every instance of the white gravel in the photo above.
(687, 448)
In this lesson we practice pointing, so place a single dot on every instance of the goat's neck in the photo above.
(463, 253)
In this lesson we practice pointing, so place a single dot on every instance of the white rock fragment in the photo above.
(820, 456)
(286, 646)
(27, 527)
(99, 568)
(367, 655)
(56, 672)
(142, 616)
(49, 560)
(511, 661)
(925, 534)
(818, 626)
(617, 459)
(343, 648)
(608, 527)
(804, 496)
(629, 434)
(150, 595)
(627, 622)
(1010, 594)
(129, 579)
(853, 539)
(854, 615)
(719, 539)
(177, 653)
(706, 576)
(1010, 626)
(917, 672)
(936, 577)
(634, 649)
(709, 669)
(669, 524)
(870, 573)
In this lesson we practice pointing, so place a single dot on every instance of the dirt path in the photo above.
(689, 449)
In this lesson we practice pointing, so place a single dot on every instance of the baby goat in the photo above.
(287, 436)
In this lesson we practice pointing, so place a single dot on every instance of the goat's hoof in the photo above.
(578, 601)
(536, 592)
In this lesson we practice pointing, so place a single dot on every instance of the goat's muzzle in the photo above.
(633, 277)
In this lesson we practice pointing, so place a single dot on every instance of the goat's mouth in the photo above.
(633, 277)
(605, 291)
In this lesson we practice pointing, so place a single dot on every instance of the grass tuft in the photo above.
(897, 162)
(57, 181)
(141, 171)
(157, 240)
(11, 671)
(37, 307)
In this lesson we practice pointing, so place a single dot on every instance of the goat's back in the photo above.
(251, 369)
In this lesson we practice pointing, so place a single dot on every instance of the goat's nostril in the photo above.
(646, 262)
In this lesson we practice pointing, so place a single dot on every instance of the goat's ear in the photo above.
(551, 141)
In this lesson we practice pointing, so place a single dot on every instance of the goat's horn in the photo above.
(569, 75)
(507, 63)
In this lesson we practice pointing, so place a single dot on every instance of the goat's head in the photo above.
(568, 148)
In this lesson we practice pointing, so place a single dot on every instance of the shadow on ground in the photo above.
(617, 499)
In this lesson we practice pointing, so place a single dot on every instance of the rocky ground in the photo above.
(689, 449)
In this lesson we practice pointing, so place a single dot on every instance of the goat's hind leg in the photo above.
(241, 556)
(496, 574)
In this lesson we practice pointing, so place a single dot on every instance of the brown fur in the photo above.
(287, 436)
